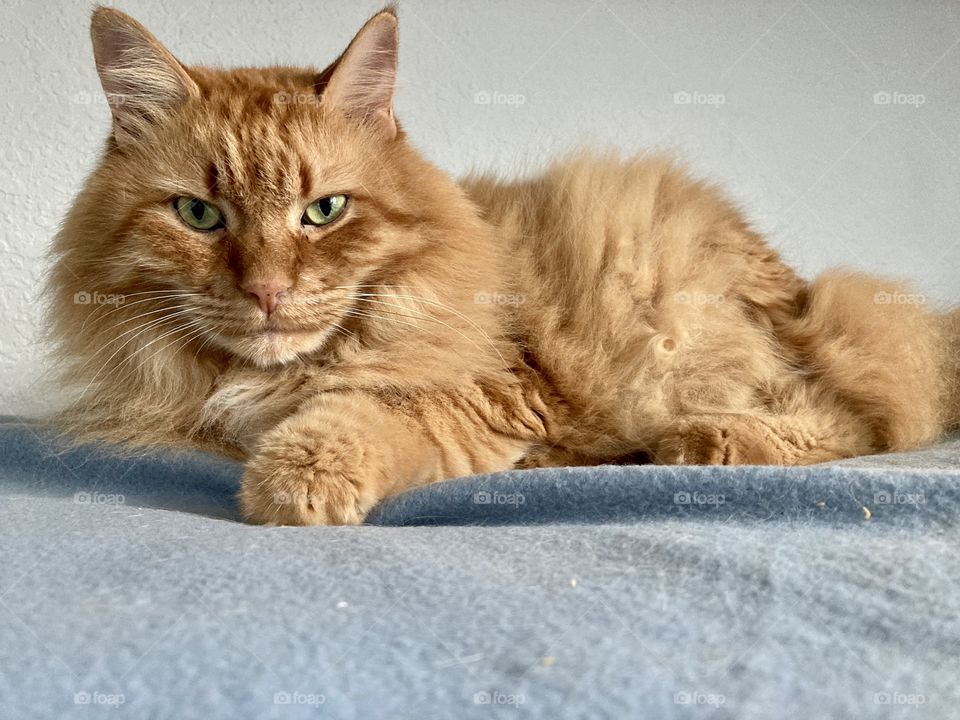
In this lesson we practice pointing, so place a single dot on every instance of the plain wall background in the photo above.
(776, 100)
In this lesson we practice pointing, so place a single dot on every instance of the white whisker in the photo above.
(151, 312)
(367, 297)
(435, 303)
(196, 332)
(138, 331)
(121, 306)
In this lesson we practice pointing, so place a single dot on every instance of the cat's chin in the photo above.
(272, 348)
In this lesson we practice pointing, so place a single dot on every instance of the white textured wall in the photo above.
(781, 110)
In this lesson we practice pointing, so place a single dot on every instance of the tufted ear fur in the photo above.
(140, 77)
(362, 80)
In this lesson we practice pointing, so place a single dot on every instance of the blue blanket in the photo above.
(829, 591)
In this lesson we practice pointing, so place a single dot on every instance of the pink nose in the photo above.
(268, 293)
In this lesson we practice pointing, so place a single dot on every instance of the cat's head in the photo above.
(244, 209)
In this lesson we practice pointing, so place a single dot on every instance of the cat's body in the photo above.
(607, 311)
(669, 328)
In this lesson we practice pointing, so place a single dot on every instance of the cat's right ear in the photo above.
(143, 82)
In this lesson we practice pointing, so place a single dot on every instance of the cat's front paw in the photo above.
(301, 480)
(717, 440)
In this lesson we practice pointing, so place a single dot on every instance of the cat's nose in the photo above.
(268, 293)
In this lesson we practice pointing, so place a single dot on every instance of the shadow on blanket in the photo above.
(906, 489)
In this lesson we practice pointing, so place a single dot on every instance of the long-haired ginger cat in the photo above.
(262, 265)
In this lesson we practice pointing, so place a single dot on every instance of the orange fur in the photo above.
(606, 311)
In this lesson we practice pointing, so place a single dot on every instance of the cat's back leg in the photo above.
(760, 439)
(867, 374)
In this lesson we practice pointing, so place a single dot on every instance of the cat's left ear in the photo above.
(362, 80)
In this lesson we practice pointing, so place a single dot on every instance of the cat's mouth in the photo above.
(277, 332)
(271, 346)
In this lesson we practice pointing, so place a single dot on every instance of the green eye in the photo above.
(198, 214)
(325, 210)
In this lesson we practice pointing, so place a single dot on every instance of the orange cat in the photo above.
(263, 266)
